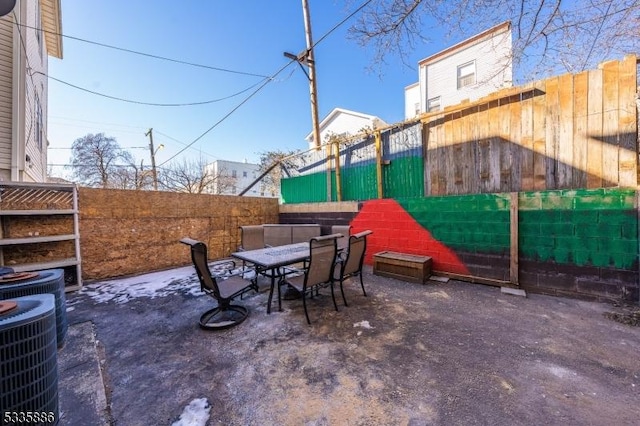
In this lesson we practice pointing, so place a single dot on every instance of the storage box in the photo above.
(402, 266)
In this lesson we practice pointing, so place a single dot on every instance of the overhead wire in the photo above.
(261, 84)
(150, 55)
(234, 109)
(339, 24)
(184, 143)
(151, 103)
(335, 27)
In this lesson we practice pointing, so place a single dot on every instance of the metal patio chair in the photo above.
(350, 265)
(343, 242)
(225, 290)
(251, 237)
(319, 270)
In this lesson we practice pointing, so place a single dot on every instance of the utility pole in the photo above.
(313, 91)
(153, 159)
(306, 57)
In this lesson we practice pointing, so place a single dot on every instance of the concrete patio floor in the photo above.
(409, 354)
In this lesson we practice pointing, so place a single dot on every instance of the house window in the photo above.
(38, 28)
(416, 108)
(233, 189)
(466, 74)
(39, 123)
(244, 174)
(433, 104)
(234, 173)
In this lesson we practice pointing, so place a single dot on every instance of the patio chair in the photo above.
(225, 290)
(319, 271)
(350, 265)
(343, 241)
(251, 237)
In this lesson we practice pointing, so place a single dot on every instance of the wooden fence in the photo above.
(571, 131)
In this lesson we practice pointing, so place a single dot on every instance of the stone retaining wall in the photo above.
(130, 232)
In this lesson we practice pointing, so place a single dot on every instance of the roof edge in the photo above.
(51, 13)
(503, 27)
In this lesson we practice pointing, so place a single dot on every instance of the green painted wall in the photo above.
(403, 177)
(310, 188)
(582, 227)
(359, 183)
(471, 223)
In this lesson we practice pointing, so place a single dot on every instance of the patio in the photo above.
(409, 354)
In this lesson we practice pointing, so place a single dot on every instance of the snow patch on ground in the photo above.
(363, 324)
(194, 414)
(155, 284)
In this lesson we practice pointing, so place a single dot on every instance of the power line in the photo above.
(339, 24)
(95, 122)
(245, 100)
(265, 82)
(149, 55)
(185, 144)
(150, 103)
(106, 129)
(262, 84)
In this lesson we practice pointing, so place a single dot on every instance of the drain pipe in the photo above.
(18, 104)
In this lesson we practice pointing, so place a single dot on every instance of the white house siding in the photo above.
(23, 69)
(6, 96)
(493, 71)
(37, 59)
(411, 98)
(342, 121)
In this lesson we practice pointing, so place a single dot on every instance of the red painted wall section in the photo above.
(395, 230)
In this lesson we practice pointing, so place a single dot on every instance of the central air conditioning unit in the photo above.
(28, 359)
(50, 281)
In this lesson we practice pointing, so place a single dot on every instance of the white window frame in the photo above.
(464, 77)
(38, 28)
(433, 104)
(39, 122)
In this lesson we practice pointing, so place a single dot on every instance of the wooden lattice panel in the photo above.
(24, 198)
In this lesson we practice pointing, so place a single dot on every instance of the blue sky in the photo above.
(248, 36)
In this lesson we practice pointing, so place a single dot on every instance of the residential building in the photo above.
(468, 70)
(28, 36)
(233, 177)
(342, 121)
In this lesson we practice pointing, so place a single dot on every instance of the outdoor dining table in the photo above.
(269, 260)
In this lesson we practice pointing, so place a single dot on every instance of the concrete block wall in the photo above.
(130, 232)
(580, 242)
(475, 227)
(324, 214)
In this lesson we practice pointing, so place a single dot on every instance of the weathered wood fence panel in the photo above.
(570, 131)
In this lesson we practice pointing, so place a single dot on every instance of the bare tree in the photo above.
(192, 176)
(131, 176)
(280, 163)
(95, 160)
(549, 36)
